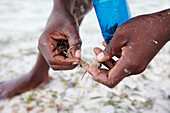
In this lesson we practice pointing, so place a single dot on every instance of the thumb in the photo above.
(112, 48)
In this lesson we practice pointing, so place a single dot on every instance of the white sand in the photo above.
(22, 22)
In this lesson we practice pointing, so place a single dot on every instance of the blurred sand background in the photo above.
(21, 24)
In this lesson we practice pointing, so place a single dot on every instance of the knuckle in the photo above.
(108, 51)
(76, 43)
(118, 32)
(130, 68)
(119, 36)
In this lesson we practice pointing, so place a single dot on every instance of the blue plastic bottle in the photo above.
(111, 14)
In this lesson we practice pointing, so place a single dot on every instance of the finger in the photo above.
(112, 48)
(118, 55)
(104, 43)
(56, 52)
(53, 45)
(109, 63)
(60, 60)
(62, 67)
(92, 70)
(59, 50)
(95, 72)
(74, 39)
(57, 60)
(119, 72)
(111, 77)
(97, 50)
(103, 78)
(99, 75)
(53, 40)
(58, 36)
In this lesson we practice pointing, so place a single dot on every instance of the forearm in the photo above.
(81, 8)
(78, 8)
(166, 19)
(167, 16)
(63, 5)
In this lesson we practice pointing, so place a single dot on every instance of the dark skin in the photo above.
(136, 42)
(63, 29)
(60, 33)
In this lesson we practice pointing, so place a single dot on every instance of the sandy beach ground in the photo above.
(21, 24)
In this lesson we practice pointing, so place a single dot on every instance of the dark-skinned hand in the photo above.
(135, 42)
(60, 34)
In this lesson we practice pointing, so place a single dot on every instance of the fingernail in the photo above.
(100, 56)
(75, 63)
(104, 43)
(78, 54)
(86, 67)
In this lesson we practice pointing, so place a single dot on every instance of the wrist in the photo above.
(163, 19)
(166, 17)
